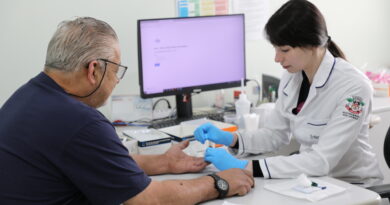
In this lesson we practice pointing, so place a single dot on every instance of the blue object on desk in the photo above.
(314, 184)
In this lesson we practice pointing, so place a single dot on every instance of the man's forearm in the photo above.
(193, 191)
(177, 192)
(152, 164)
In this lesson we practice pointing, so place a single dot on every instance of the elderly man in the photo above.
(56, 148)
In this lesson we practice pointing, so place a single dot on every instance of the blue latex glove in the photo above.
(208, 131)
(223, 160)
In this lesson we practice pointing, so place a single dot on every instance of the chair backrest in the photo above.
(386, 148)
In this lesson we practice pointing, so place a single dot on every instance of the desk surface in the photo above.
(259, 195)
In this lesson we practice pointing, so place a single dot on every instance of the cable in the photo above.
(159, 100)
(258, 85)
(195, 93)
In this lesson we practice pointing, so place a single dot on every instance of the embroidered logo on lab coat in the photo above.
(354, 106)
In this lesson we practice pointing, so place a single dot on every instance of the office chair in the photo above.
(384, 189)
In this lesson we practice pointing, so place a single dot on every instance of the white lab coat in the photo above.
(332, 131)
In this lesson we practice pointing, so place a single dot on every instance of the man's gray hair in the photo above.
(78, 42)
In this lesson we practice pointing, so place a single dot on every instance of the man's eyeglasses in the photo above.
(119, 74)
(121, 68)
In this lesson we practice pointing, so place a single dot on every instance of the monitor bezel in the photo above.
(191, 89)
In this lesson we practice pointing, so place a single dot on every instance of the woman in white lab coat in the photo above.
(324, 103)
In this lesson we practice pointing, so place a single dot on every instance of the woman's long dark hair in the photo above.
(298, 23)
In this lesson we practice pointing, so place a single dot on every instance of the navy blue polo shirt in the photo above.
(55, 149)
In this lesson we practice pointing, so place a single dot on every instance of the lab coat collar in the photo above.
(325, 70)
(320, 78)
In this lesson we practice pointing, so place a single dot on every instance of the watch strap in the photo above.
(221, 193)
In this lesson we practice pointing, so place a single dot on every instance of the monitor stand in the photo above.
(184, 106)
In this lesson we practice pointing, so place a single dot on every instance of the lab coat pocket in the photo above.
(312, 131)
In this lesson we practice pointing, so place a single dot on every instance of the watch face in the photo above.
(222, 185)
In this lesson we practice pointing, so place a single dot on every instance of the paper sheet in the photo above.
(287, 188)
(186, 8)
(256, 15)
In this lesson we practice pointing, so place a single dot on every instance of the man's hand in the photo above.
(240, 181)
(180, 162)
(223, 160)
(209, 132)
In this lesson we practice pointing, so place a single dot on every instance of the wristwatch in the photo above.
(221, 185)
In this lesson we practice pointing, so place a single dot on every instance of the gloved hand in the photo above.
(209, 132)
(223, 160)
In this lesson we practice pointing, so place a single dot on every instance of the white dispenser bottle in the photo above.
(243, 106)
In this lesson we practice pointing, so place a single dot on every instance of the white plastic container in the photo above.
(243, 106)
(251, 121)
(263, 110)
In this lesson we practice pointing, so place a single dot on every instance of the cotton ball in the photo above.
(303, 180)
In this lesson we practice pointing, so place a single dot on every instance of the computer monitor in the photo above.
(179, 56)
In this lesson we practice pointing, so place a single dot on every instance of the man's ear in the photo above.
(91, 73)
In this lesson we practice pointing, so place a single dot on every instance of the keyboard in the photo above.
(172, 122)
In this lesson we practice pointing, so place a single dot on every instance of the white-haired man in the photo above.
(56, 148)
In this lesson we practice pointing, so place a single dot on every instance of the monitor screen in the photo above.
(178, 56)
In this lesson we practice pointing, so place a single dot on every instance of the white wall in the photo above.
(360, 27)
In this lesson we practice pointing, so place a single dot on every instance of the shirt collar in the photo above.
(43, 78)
